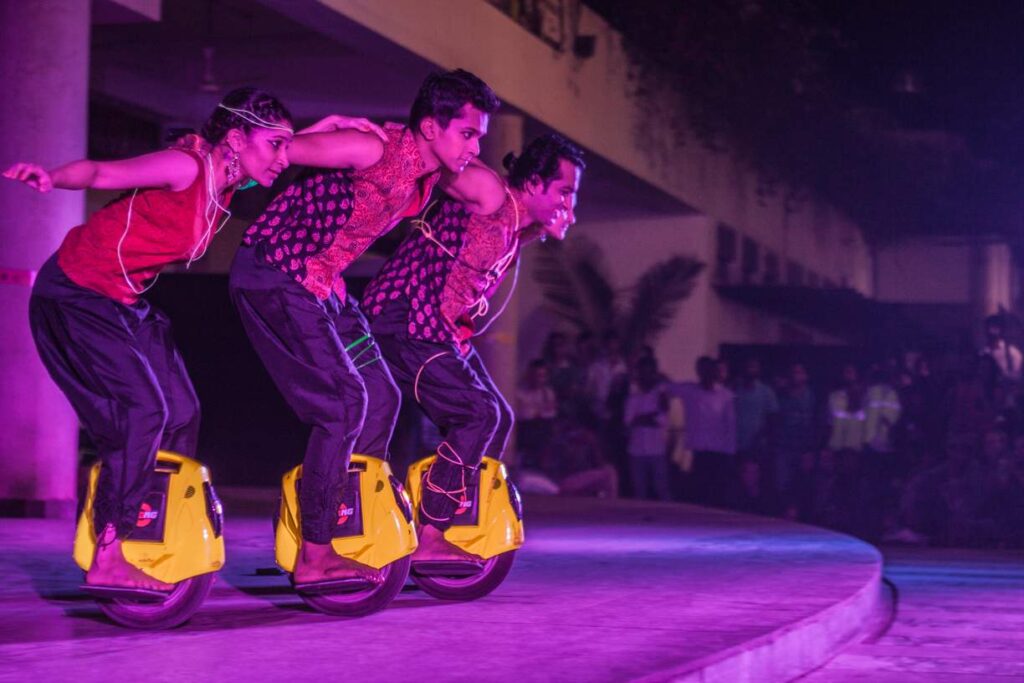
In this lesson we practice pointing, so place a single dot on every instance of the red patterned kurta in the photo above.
(326, 219)
(446, 271)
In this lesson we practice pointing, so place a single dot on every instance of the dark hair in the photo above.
(540, 158)
(648, 363)
(705, 363)
(258, 102)
(444, 93)
(997, 321)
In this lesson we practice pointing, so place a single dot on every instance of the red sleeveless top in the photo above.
(166, 227)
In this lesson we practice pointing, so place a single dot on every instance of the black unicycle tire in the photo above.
(471, 588)
(184, 601)
(365, 602)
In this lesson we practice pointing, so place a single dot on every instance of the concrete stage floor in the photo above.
(958, 618)
(603, 591)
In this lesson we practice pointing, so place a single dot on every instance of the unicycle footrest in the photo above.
(125, 593)
(351, 585)
(454, 568)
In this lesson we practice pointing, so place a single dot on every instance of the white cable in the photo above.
(255, 119)
(120, 260)
(209, 215)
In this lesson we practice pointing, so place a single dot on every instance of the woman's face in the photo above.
(263, 155)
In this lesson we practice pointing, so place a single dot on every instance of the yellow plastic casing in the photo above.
(190, 547)
(498, 529)
(387, 534)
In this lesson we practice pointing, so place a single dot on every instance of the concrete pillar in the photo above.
(498, 345)
(44, 66)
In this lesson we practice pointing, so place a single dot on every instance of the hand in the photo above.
(338, 122)
(34, 176)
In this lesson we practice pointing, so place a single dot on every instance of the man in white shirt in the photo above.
(710, 433)
(646, 417)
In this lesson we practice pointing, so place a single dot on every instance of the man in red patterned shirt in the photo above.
(425, 300)
(286, 282)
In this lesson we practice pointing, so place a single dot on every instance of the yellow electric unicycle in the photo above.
(177, 539)
(488, 524)
(374, 528)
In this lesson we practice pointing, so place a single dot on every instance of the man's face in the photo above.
(798, 375)
(554, 206)
(459, 143)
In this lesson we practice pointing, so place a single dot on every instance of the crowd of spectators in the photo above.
(913, 448)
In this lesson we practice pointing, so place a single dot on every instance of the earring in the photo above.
(233, 170)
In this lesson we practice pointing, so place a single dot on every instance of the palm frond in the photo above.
(656, 296)
(575, 283)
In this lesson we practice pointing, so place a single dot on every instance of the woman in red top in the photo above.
(111, 352)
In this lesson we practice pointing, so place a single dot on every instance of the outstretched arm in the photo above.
(334, 122)
(337, 149)
(168, 169)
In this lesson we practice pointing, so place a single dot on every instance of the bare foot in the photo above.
(110, 568)
(434, 548)
(318, 562)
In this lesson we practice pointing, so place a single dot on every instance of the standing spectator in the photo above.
(1006, 356)
(565, 375)
(536, 410)
(920, 428)
(841, 466)
(646, 418)
(974, 402)
(882, 409)
(756, 410)
(710, 433)
(846, 413)
(798, 434)
(603, 375)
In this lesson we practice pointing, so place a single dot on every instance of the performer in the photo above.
(286, 282)
(424, 301)
(109, 350)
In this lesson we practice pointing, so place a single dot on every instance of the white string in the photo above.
(255, 119)
(499, 268)
(423, 226)
(504, 304)
(120, 260)
(209, 214)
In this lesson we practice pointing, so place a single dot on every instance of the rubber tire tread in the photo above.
(491, 578)
(196, 589)
(375, 599)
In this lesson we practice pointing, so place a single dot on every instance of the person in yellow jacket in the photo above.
(882, 410)
(846, 413)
